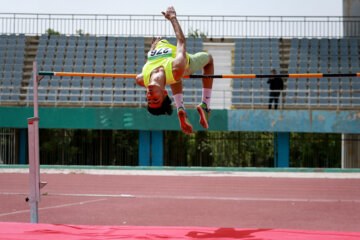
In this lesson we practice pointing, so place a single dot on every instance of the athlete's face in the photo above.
(155, 96)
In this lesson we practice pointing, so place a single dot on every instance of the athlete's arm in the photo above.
(179, 63)
(140, 80)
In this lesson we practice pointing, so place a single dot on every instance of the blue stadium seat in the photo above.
(72, 40)
(86, 86)
(290, 91)
(99, 67)
(76, 82)
(333, 43)
(313, 68)
(355, 95)
(96, 92)
(42, 91)
(324, 91)
(129, 90)
(15, 94)
(110, 59)
(345, 86)
(5, 95)
(16, 81)
(109, 68)
(313, 91)
(107, 93)
(256, 88)
(301, 96)
(245, 94)
(7, 81)
(119, 92)
(120, 67)
(88, 67)
(63, 95)
(120, 43)
(334, 91)
(110, 40)
(74, 96)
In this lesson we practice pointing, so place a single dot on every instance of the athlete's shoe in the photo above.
(184, 122)
(204, 113)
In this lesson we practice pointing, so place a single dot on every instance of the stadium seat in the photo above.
(107, 93)
(256, 87)
(119, 92)
(356, 94)
(129, 90)
(301, 97)
(96, 92)
(313, 91)
(86, 93)
(323, 91)
(15, 95)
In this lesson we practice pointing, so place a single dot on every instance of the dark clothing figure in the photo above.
(276, 85)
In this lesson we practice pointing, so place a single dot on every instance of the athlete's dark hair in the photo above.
(165, 108)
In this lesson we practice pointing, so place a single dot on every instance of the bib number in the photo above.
(159, 53)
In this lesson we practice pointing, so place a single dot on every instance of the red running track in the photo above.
(217, 203)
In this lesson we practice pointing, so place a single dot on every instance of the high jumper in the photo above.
(167, 65)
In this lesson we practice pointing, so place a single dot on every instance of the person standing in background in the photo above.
(276, 86)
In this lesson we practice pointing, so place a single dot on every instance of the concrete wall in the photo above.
(351, 8)
(318, 121)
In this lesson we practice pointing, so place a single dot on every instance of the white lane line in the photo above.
(216, 198)
(252, 199)
(73, 194)
(212, 198)
(53, 207)
(92, 195)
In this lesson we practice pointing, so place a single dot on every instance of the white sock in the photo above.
(179, 100)
(206, 96)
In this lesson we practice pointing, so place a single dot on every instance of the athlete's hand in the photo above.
(154, 42)
(170, 13)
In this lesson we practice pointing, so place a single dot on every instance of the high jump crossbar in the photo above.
(125, 75)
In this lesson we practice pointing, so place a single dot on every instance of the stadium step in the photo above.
(222, 56)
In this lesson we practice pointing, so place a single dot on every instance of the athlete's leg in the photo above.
(178, 97)
(208, 82)
(208, 70)
(204, 107)
(204, 61)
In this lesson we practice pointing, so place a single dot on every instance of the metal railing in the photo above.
(212, 26)
(7, 146)
(304, 98)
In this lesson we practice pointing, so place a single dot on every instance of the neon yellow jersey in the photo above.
(163, 55)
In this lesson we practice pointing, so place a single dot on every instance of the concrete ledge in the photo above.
(335, 173)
